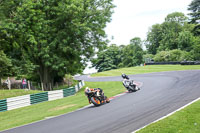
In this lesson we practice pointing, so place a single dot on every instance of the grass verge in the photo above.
(186, 120)
(146, 69)
(16, 92)
(21, 116)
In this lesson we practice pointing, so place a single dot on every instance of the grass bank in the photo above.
(186, 120)
(21, 116)
(179, 122)
(16, 92)
(146, 69)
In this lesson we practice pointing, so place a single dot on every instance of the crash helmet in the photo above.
(87, 90)
(123, 75)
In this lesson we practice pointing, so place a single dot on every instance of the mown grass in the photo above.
(146, 69)
(21, 116)
(186, 120)
(16, 92)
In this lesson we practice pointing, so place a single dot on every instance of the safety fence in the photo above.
(26, 100)
(174, 63)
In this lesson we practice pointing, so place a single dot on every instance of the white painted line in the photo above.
(168, 114)
(51, 117)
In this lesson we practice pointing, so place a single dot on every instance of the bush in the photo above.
(172, 55)
(148, 58)
(162, 56)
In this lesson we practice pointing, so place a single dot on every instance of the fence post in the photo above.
(42, 86)
(39, 85)
(29, 87)
(56, 84)
(9, 84)
(50, 87)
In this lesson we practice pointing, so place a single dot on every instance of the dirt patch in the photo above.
(62, 107)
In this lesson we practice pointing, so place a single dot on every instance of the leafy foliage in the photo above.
(114, 57)
(108, 59)
(196, 49)
(194, 7)
(172, 55)
(5, 65)
(55, 37)
(174, 33)
(173, 40)
(133, 53)
(154, 36)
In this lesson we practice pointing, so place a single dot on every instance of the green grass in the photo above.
(182, 121)
(186, 120)
(16, 92)
(25, 115)
(146, 69)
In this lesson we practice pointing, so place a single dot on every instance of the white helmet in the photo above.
(87, 90)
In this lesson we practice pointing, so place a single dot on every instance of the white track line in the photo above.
(168, 114)
(51, 117)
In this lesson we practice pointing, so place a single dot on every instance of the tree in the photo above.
(136, 41)
(173, 33)
(177, 18)
(133, 53)
(185, 40)
(58, 36)
(108, 59)
(173, 24)
(194, 7)
(196, 49)
(154, 36)
(5, 65)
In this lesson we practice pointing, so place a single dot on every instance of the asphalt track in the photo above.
(161, 94)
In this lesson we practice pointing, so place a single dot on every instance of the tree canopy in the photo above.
(174, 33)
(55, 37)
(194, 7)
(107, 59)
(5, 65)
(114, 56)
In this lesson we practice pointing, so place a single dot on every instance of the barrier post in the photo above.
(42, 86)
(29, 85)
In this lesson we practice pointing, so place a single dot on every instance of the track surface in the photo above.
(160, 94)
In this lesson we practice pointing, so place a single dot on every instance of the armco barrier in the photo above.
(26, 100)
(3, 105)
(53, 95)
(18, 102)
(164, 63)
(69, 91)
(175, 63)
(39, 97)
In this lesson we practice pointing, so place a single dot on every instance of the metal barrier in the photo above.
(53, 95)
(39, 97)
(18, 102)
(26, 100)
(175, 63)
(3, 105)
(68, 92)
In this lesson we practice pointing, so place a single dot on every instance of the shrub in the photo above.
(172, 55)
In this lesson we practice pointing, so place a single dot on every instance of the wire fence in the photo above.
(31, 85)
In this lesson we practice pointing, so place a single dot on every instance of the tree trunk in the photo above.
(45, 77)
(0, 83)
